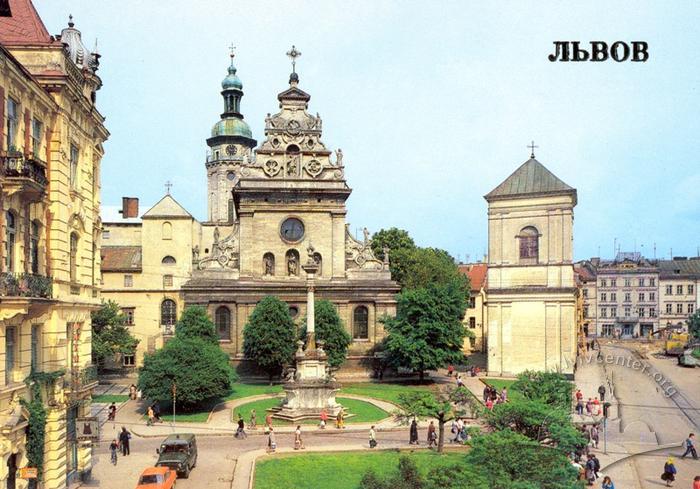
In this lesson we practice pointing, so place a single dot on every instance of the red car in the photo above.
(157, 478)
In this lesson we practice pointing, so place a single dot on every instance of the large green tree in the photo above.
(551, 388)
(330, 329)
(427, 332)
(393, 238)
(269, 337)
(200, 370)
(110, 335)
(511, 460)
(694, 325)
(195, 323)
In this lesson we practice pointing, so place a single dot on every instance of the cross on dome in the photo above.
(232, 51)
(293, 55)
(532, 149)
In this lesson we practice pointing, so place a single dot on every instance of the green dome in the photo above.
(231, 80)
(231, 127)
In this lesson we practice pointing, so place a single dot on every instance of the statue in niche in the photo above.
(195, 253)
(268, 121)
(268, 264)
(338, 157)
(292, 264)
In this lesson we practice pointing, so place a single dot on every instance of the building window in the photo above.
(360, 323)
(10, 239)
(691, 289)
(73, 257)
(472, 302)
(652, 282)
(128, 315)
(128, 360)
(74, 155)
(128, 280)
(607, 330)
(603, 296)
(613, 283)
(603, 312)
(293, 311)
(691, 308)
(641, 282)
(641, 312)
(167, 230)
(652, 296)
(679, 308)
(167, 280)
(603, 282)
(669, 290)
(223, 322)
(37, 130)
(628, 297)
(10, 343)
(36, 338)
(12, 124)
(105, 234)
(585, 311)
(529, 244)
(34, 247)
(641, 297)
(627, 312)
(613, 297)
(168, 260)
(628, 282)
(669, 308)
(679, 289)
(472, 322)
(613, 312)
(652, 312)
(168, 312)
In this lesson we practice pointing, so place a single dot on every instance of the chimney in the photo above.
(130, 207)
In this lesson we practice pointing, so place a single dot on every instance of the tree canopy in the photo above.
(330, 328)
(427, 332)
(195, 323)
(110, 334)
(551, 388)
(269, 337)
(694, 325)
(393, 238)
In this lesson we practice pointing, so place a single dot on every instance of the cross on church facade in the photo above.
(168, 186)
(293, 55)
(532, 149)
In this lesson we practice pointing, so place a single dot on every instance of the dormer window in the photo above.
(529, 245)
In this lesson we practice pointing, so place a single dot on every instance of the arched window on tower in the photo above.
(168, 315)
(268, 264)
(529, 245)
(360, 323)
(167, 230)
(222, 318)
(168, 260)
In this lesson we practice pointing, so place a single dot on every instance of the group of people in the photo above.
(459, 430)
(589, 470)
(120, 444)
(493, 397)
(153, 414)
(592, 406)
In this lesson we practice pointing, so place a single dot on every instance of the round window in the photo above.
(292, 230)
(293, 311)
(231, 175)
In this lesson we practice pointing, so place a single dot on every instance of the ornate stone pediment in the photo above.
(359, 254)
(224, 252)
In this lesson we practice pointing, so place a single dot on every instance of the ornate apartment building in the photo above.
(51, 137)
(268, 203)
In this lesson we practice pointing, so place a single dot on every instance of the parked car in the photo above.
(157, 478)
(179, 453)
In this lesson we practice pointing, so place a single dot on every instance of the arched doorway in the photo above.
(12, 471)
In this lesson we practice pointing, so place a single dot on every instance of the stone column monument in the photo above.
(310, 389)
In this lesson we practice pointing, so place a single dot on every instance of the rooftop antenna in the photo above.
(654, 250)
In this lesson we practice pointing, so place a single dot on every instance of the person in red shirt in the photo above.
(696, 482)
(579, 394)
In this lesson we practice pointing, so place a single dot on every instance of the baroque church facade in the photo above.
(267, 205)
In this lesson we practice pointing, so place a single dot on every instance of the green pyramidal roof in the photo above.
(530, 179)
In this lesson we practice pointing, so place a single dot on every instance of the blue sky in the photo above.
(432, 103)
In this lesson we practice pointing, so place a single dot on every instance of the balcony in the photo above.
(25, 285)
(23, 174)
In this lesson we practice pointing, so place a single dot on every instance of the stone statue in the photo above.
(292, 265)
(318, 121)
(365, 233)
(290, 375)
(216, 235)
(310, 250)
(195, 253)
(385, 250)
(269, 264)
(268, 121)
(338, 157)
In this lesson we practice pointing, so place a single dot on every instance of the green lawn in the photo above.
(108, 398)
(342, 470)
(246, 390)
(385, 392)
(499, 384)
(363, 412)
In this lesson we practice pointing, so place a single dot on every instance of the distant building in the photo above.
(475, 315)
(678, 290)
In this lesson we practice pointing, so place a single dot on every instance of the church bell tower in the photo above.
(231, 144)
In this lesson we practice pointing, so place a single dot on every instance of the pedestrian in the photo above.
(596, 407)
(460, 383)
(413, 436)
(696, 482)
(253, 419)
(111, 412)
(579, 407)
(607, 483)
(450, 370)
(149, 414)
(489, 404)
(271, 442)
(139, 395)
(589, 406)
(494, 394)
(124, 438)
(458, 430)
(579, 395)
(298, 442)
(324, 419)
(596, 466)
(372, 437)
(594, 435)
(670, 472)
(340, 420)
(268, 422)
(601, 391)
(487, 393)
(240, 432)
(432, 435)
(590, 470)
(132, 392)
(504, 394)
(113, 449)
(690, 447)
(156, 412)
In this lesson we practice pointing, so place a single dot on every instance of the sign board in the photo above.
(28, 473)
(87, 429)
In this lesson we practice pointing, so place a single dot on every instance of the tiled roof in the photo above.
(531, 178)
(671, 268)
(24, 27)
(585, 271)
(121, 258)
(476, 273)
(167, 207)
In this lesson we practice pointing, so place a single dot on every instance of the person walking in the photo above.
(372, 437)
(504, 394)
(670, 472)
(432, 435)
(601, 391)
(271, 442)
(458, 430)
(487, 393)
(124, 438)
(298, 442)
(590, 470)
(268, 422)
(340, 420)
(596, 466)
(151, 418)
(113, 449)
(690, 447)
(156, 412)
(253, 419)
(696, 482)
(413, 436)
(132, 392)
(324, 419)
(450, 370)
(111, 412)
(594, 435)
(240, 432)
(607, 483)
